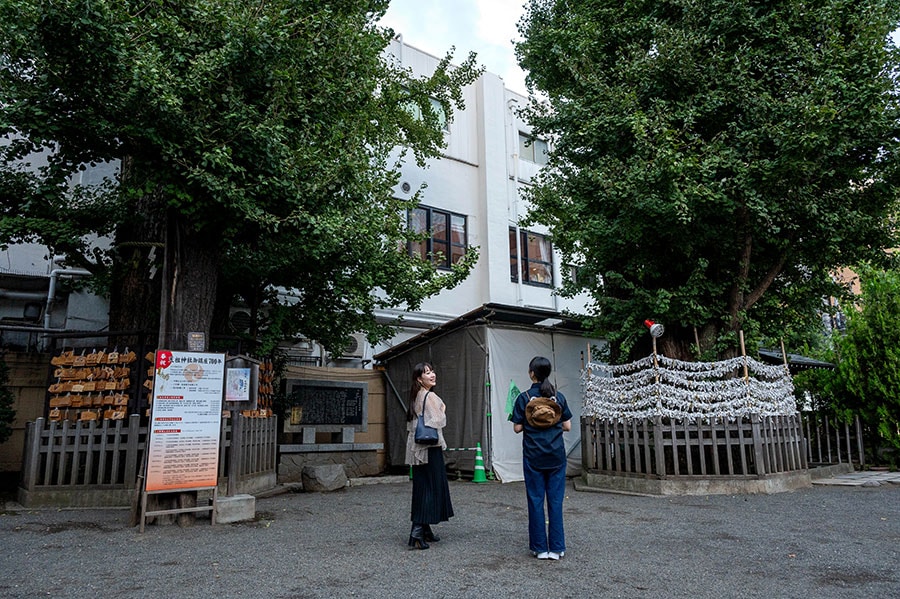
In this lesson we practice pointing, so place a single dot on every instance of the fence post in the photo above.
(33, 432)
(131, 451)
(757, 445)
(859, 443)
(585, 445)
(658, 447)
(236, 449)
(849, 450)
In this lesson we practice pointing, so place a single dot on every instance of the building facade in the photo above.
(471, 196)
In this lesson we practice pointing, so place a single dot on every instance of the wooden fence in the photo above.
(662, 447)
(831, 442)
(98, 463)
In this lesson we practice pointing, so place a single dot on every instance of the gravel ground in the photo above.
(820, 542)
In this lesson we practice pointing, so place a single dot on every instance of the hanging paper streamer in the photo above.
(686, 390)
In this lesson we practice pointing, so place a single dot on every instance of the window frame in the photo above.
(528, 149)
(415, 110)
(450, 257)
(522, 263)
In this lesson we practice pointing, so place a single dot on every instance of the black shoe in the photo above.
(429, 534)
(417, 537)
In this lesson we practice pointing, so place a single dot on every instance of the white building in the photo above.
(472, 196)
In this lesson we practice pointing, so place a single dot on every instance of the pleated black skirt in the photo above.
(431, 493)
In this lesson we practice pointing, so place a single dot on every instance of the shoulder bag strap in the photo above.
(424, 399)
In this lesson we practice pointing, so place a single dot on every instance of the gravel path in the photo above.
(822, 542)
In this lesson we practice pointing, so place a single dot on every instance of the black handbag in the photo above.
(425, 435)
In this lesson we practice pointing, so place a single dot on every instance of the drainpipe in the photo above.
(51, 292)
(511, 105)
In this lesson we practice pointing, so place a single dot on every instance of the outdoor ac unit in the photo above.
(240, 321)
(357, 346)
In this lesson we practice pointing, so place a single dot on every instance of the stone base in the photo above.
(236, 508)
(695, 485)
(356, 464)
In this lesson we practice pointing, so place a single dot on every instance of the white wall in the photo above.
(480, 176)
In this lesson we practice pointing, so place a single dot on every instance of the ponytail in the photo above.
(540, 367)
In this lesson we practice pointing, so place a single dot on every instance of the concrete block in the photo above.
(324, 477)
(236, 508)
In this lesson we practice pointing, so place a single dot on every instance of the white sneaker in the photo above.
(543, 555)
(553, 555)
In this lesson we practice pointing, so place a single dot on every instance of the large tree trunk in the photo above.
(137, 270)
(190, 269)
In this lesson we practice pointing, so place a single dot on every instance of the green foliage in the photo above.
(713, 162)
(7, 413)
(867, 380)
(271, 128)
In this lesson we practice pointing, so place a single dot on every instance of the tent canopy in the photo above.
(476, 357)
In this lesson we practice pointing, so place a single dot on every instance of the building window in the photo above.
(436, 108)
(533, 149)
(536, 259)
(513, 256)
(448, 240)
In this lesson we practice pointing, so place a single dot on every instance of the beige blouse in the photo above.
(435, 416)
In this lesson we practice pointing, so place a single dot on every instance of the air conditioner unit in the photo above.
(240, 321)
(357, 346)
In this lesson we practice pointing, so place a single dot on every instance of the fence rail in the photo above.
(98, 463)
(663, 447)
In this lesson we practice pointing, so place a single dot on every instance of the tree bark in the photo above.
(190, 269)
(136, 274)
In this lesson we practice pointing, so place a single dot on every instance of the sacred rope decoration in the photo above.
(660, 386)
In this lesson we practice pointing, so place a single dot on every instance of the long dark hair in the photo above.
(541, 368)
(418, 371)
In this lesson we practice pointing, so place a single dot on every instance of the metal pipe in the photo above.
(51, 292)
(22, 295)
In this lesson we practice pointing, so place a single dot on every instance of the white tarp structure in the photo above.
(475, 357)
(510, 351)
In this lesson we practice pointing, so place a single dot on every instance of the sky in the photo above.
(486, 27)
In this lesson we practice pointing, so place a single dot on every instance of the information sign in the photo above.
(185, 421)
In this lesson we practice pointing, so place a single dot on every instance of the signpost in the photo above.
(185, 426)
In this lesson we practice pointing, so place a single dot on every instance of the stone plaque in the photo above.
(326, 405)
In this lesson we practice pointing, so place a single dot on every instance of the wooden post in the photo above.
(784, 357)
(658, 447)
(761, 467)
(859, 443)
(234, 456)
(131, 451)
(744, 354)
(697, 341)
(33, 432)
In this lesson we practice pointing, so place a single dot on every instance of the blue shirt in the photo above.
(543, 448)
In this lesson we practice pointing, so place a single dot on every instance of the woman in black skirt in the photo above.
(431, 493)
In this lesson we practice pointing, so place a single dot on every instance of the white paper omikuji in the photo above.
(686, 390)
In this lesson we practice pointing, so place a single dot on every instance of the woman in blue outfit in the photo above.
(542, 415)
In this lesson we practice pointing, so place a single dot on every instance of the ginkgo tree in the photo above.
(256, 148)
(713, 163)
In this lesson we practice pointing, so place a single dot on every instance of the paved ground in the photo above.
(866, 478)
(828, 541)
